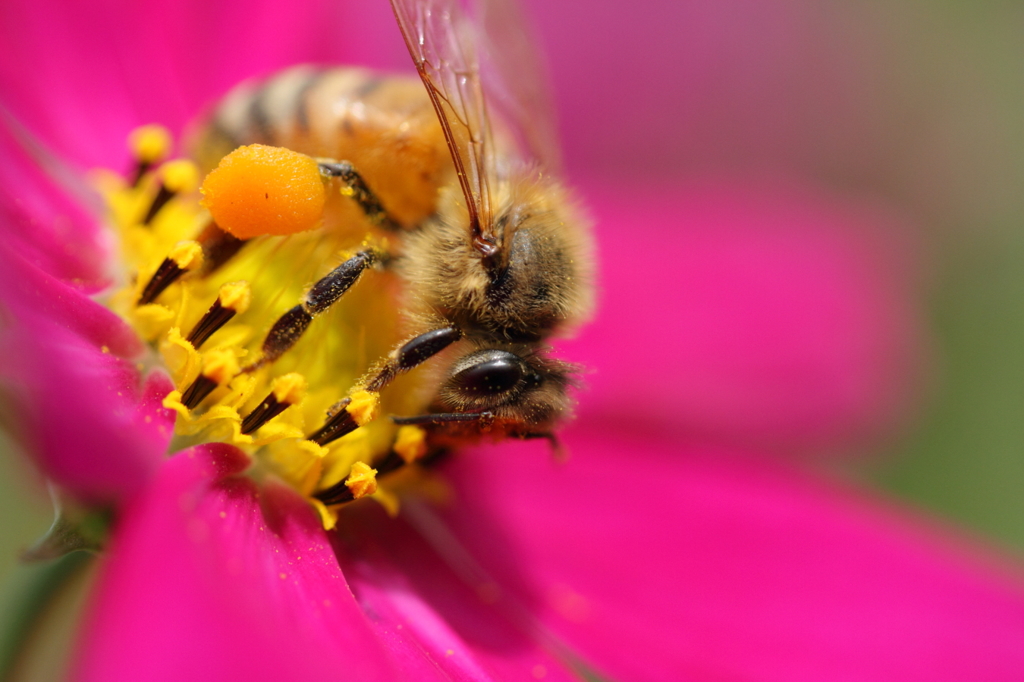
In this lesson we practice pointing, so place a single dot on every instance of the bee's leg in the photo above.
(360, 407)
(446, 418)
(355, 187)
(289, 327)
(218, 246)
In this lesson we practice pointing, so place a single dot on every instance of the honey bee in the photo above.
(460, 167)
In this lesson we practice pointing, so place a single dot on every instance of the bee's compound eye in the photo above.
(490, 373)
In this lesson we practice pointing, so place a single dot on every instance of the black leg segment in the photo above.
(357, 188)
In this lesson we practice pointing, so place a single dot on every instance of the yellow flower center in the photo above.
(219, 285)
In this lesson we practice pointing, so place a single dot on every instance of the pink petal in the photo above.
(696, 562)
(40, 221)
(34, 297)
(756, 313)
(702, 85)
(431, 618)
(207, 578)
(110, 66)
(72, 390)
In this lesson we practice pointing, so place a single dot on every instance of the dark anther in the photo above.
(413, 353)
(336, 494)
(218, 247)
(264, 412)
(141, 168)
(391, 462)
(338, 424)
(165, 275)
(215, 318)
(162, 197)
(340, 493)
(199, 389)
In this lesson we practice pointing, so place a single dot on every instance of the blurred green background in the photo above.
(24, 506)
(956, 70)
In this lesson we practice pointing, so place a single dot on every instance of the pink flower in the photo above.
(738, 320)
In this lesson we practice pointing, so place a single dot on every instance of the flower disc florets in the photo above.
(213, 285)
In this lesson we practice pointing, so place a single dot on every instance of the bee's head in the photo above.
(518, 385)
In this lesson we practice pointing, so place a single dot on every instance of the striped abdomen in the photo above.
(383, 124)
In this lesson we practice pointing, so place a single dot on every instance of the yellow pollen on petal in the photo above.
(411, 443)
(235, 296)
(260, 190)
(362, 481)
(150, 143)
(187, 255)
(363, 407)
(180, 176)
(289, 389)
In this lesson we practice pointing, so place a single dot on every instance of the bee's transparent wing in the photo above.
(516, 82)
(474, 56)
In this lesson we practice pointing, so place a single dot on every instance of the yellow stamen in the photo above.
(411, 443)
(150, 143)
(220, 366)
(235, 296)
(343, 454)
(259, 190)
(252, 284)
(180, 176)
(363, 407)
(289, 389)
(362, 481)
(187, 255)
